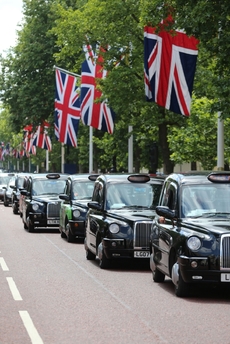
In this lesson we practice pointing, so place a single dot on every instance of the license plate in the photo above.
(141, 254)
(53, 222)
(225, 277)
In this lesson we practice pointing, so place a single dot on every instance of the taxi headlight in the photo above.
(194, 243)
(114, 228)
(76, 213)
(35, 206)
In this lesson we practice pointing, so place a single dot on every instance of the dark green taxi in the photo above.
(77, 194)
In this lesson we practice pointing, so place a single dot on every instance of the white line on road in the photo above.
(3, 264)
(30, 328)
(14, 289)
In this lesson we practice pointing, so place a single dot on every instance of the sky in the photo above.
(10, 16)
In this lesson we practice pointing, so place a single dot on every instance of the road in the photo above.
(50, 294)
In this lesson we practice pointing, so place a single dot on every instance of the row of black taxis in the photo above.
(180, 223)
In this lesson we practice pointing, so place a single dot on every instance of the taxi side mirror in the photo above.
(165, 212)
(64, 197)
(94, 205)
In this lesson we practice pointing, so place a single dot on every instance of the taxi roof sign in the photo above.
(53, 175)
(139, 178)
(219, 177)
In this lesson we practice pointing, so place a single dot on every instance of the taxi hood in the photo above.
(46, 198)
(134, 214)
(214, 225)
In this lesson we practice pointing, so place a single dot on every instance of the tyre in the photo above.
(15, 209)
(6, 204)
(30, 226)
(181, 288)
(63, 235)
(90, 255)
(158, 276)
(104, 262)
(70, 236)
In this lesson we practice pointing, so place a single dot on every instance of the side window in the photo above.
(98, 192)
(67, 188)
(169, 196)
(28, 185)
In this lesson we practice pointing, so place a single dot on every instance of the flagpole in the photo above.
(62, 158)
(66, 71)
(220, 143)
(47, 160)
(90, 149)
(130, 150)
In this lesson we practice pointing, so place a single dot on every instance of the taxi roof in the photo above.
(123, 177)
(83, 176)
(44, 175)
(194, 177)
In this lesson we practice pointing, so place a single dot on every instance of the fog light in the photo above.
(197, 277)
(194, 264)
(114, 244)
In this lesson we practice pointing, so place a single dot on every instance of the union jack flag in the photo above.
(67, 108)
(170, 63)
(28, 139)
(93, 112)
(41, 138)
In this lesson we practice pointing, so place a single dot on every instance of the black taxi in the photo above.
(40, 202)
(77, 193)
(120, 217)
(190, 236)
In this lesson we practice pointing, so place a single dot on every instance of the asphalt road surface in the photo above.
(50, 294)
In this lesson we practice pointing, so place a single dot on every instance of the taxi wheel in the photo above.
(104, 262)
(30, 226)
(63, 235)
(15, 210)
(181, 288)
(90, 255)
(158, 276)
(70, 236)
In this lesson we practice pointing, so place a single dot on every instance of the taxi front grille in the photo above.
(142, 234)
(225, 252)
(53, 210)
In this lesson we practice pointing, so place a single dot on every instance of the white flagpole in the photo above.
(220, 143)
(130, 150)
(90, 149)
(62, 158)
(47, 160)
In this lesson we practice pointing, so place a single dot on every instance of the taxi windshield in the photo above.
(82, 190)
(132, 195)
(205, 200)
(48, 186)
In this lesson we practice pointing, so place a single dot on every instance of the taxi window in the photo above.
(83, 190)
(200, 199)
(169, 196)
(98, 192)
(132, 195)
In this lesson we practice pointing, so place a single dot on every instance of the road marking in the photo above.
(30, 328)
(14, 289)
(3, 264)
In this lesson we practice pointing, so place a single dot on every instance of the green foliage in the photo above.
(54, 32)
